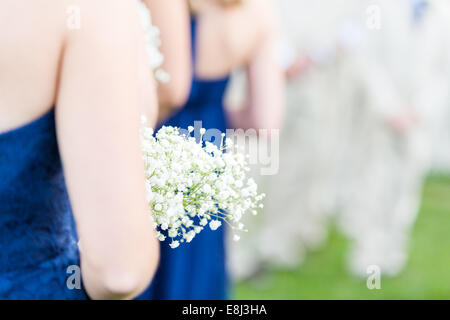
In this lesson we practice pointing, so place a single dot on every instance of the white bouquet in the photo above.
(195, 184)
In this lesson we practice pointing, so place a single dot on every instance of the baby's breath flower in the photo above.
(192, 184)
(152, 43)
(215, 224)
(160, 236)
(173, 233)
(175, 244)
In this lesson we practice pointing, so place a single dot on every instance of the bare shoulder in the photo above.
(102, 16)
(249, 24)
(263, 13)
(263, 19)
(66, 15)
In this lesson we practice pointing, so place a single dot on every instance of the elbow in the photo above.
(270, 126)
(125, 284)
(179, 97)
(122, 281)
(175, 94)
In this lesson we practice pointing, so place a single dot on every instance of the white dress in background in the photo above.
(441, 132)
(403, 64)
(338, 155)
(302, 196)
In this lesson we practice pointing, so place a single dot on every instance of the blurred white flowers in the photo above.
(152, 43)
(191, 185)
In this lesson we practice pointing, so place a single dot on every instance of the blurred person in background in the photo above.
(403, 83)
(171, 17)
(441, 142)
(363, 100)
(224, 34)
(441, 132)
(319, 38)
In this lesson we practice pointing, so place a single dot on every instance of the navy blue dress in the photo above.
(196, 270)
(38, 241)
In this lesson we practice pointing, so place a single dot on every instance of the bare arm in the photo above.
(172, 19)
(97, 114)
(264, 109)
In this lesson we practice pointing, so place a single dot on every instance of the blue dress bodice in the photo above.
(196, 270)
(38, 241)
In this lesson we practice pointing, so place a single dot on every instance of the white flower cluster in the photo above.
(152, 42)
(191, 185)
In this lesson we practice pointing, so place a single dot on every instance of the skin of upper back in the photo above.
(31, 44)
(227, 36)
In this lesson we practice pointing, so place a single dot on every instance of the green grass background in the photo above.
(324, 276)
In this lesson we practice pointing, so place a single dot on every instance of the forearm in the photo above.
(172, 19)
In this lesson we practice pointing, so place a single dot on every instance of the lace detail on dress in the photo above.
(38, 240)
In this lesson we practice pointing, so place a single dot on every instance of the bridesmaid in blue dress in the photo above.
(86, 147)
(197, 271)
(37, 233)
